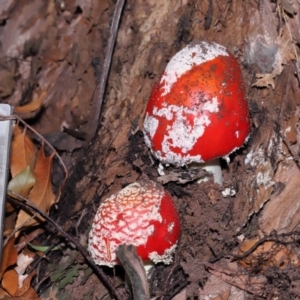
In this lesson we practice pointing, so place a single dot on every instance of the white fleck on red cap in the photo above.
(198, 111)
(142, 214)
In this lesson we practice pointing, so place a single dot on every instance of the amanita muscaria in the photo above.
(142, 214)
(198, 111)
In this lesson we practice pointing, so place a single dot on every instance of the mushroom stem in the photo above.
(133, 266)
(148, 267)
(214, 167)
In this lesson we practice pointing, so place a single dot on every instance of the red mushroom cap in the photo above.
(198, 111)
(142, 214)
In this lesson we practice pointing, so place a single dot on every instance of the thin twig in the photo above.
(174, 267)
(21, 226)
(35, 264)
(254, 247)
(281, 238)
(29, 238)
(83, 213)
(107, 61)
(32, 207)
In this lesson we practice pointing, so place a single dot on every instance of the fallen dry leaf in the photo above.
(22, 152)
(14, 281)
(4, 294)
(9, 256)
(10, 281)
(215, 289)
(7, 82)
(253, 284)
(288, 7)
(267, 255)
(264, 80)
(22, 183)
(30, 293)
(41, 194)
(31, 110)
(26, 286)
(10, 284)
(9, 222)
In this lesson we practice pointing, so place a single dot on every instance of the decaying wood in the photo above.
(281, 213)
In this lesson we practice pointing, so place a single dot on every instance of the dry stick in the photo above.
(36, 263)
(18, 228)
(167, 281)
(243, 255)
(253, 248)
(273, 237)
(30, 237)
(32, 207)
(107, 60)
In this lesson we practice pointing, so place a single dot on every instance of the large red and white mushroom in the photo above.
(198, 111)
(142, 214)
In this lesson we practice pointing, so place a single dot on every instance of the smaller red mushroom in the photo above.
(142, 214)
(198, 111)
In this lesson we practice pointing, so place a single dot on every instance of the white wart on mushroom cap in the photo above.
(142, 214)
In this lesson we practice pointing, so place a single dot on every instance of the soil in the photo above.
(58, 47)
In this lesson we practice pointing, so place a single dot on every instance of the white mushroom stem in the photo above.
(213, 167)
(148, 266)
